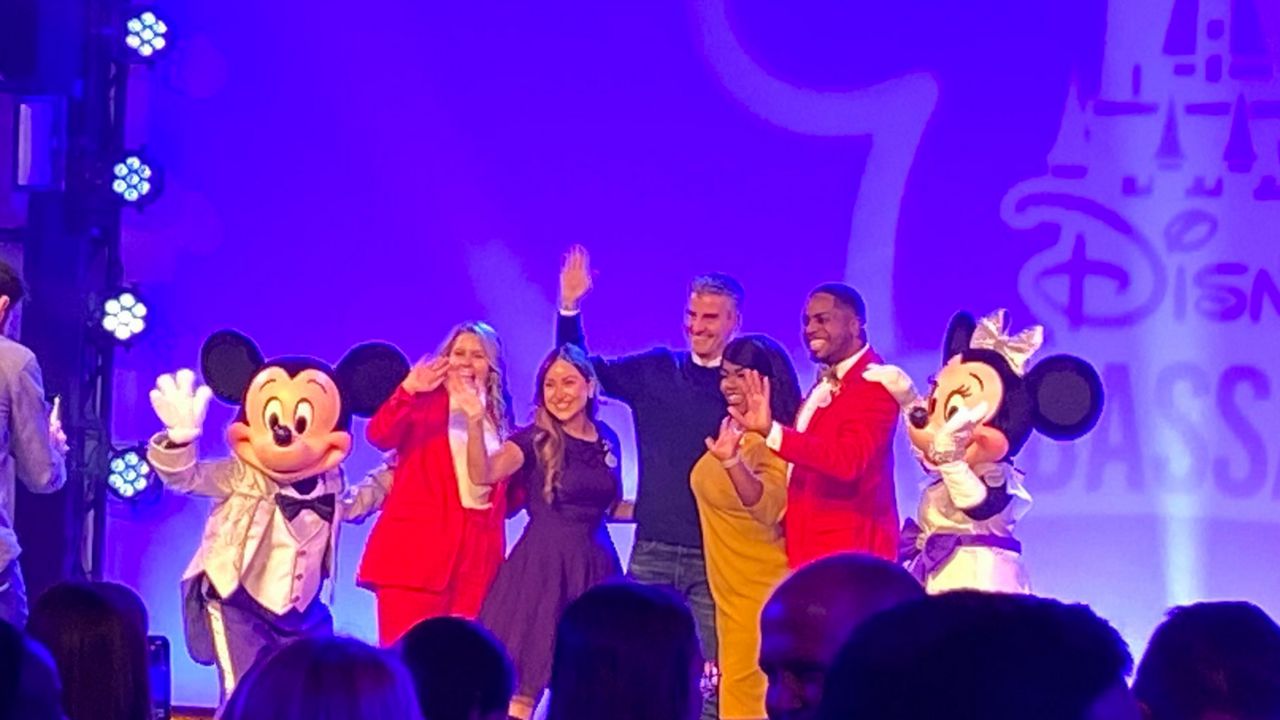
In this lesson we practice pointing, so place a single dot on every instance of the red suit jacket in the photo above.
(414, 543)
(841, 494)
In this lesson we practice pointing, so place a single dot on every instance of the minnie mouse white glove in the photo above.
(895, 380)
(180, 405)
(952, 440)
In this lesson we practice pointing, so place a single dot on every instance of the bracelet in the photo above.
(735, 460)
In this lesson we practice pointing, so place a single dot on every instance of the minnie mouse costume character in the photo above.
(270, 542)
(981, 410)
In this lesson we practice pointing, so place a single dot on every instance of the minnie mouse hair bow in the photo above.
(1018, 349)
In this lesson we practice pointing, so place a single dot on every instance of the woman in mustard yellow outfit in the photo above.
(741, 490)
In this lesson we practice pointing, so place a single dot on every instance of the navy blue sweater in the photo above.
(675, 404)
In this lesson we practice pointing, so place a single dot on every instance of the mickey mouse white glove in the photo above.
(952, 440)
(895, 380)
(180, 405)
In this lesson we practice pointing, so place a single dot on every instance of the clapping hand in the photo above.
(725, 445)
(466, 395)
(426, 376)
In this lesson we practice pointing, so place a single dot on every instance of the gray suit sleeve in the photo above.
(40, 467)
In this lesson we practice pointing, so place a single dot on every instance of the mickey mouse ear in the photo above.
(368, 374)
(228, 362)
(1067, 395)
(959, 333)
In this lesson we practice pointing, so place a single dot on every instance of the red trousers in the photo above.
(400, 608)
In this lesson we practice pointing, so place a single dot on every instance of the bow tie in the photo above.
(828, 374)
(321, 505)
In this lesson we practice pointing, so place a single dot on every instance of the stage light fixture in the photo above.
(124, 315)
(131, 179)
(146, 34)
(129, 475)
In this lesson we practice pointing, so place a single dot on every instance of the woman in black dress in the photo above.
(568, 466)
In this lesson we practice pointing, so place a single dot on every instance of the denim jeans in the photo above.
(685, 570)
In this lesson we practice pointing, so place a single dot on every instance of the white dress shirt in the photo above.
(712, 363)
(282, 575)
(473, 496)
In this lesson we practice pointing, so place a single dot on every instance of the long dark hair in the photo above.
(626, 651)
(764, 355)
(548, 439)
(100, 649)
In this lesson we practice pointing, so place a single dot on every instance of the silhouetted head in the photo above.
(810, 615)
(29, 687)
(626, 652)
(333, 678)
(1212, 661)
(460, 671)
(967, 654)
(100, 648)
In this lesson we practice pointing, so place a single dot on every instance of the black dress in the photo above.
(564, 550)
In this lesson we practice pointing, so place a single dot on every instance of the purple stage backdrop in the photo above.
(340, 173)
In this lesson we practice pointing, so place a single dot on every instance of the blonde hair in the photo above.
(499, 399)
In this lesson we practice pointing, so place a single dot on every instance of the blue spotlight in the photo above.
(131, 179)
(146, 34)
(129, 475)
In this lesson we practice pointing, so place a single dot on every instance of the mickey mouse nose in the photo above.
(282, 435)
(918, 417)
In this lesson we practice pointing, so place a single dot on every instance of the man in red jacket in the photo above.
(840, 497)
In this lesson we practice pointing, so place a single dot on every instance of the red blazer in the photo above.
(414, 542)
(841, 494)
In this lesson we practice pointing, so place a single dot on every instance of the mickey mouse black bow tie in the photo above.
(321, 505)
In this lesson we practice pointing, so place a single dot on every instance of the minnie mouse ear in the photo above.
(368, 374)
(228, 362)
(959, 333)
(1067, 396)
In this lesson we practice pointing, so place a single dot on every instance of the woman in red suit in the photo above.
(439, 540)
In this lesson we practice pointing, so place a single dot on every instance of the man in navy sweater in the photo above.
(676, 401)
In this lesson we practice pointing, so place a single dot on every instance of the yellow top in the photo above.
(746, 559)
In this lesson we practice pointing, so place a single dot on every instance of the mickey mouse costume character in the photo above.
(981, 410)
(270, 542)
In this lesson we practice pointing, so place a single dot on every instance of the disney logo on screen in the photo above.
(1103, 271)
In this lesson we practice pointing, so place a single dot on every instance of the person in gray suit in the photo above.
(32, 445)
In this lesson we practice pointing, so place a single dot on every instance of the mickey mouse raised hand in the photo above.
(982, 408)
(181, 406)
